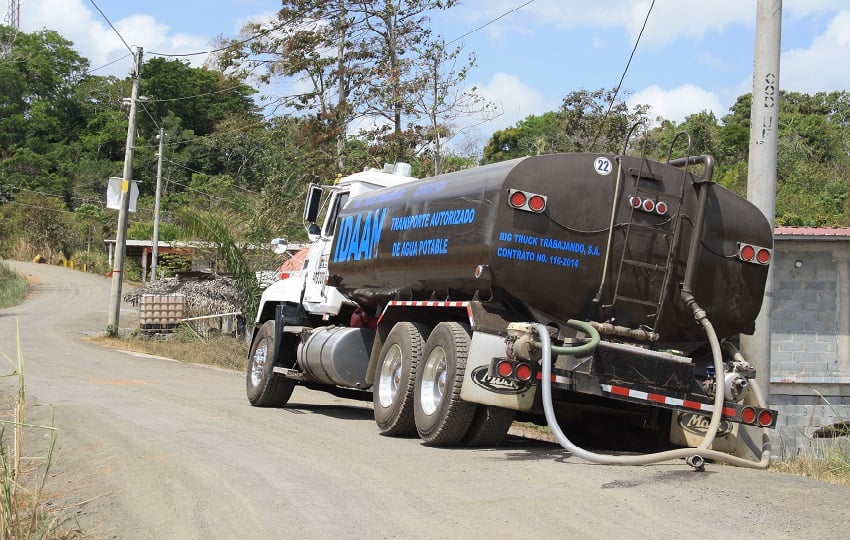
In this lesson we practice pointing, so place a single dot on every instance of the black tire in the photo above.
(264, 387)
(489, 426)
(442, 418)
(395, 375)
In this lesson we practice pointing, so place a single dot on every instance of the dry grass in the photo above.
(13, 286)
(185, 346)
(832, 465)
(24, 473)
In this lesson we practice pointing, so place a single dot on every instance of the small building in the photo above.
(810, 335)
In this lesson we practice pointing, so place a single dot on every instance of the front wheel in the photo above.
(442, 418)
(264, 387)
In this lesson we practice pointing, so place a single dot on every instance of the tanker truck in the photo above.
(580, 289)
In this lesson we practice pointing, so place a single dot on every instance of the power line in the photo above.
(249, 39)
(212, 93)
(623, 76)
(102, 14)
(109, 64)
(186, 167)
(488, 23)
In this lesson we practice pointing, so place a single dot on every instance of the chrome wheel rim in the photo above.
(258, 363)
(390, 382)
(433, 381)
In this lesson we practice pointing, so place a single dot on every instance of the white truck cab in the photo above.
(309, 287)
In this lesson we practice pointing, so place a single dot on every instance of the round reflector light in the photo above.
(661, 208)
(524, 372)
(648, 205)
(765, 418)
(763, 256)
(504, 369)
(518, 199)
(635, 202)
(537, 203)
(748, 415)
(748, 252)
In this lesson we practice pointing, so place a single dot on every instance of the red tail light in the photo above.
(505, 369)
(661, 208)
(524, 372)
(765, 418)
(748, 415)
(537, 203)
(523, 200)
(754, 254)
(518, 199)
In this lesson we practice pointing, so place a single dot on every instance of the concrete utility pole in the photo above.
(121, 239)
(761, 175)
(156, 205)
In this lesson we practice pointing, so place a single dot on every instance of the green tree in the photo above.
(587, 121)
(36, 81)
(200, 97)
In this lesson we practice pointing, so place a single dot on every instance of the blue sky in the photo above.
(694, 55)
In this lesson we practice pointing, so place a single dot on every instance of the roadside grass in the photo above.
(23, 474)
(827, 457)
(830, 464)
(185, 346)
(13, 286)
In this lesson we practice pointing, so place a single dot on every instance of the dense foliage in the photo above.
(813, 165)
(244, 163)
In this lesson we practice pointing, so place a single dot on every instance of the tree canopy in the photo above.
(229, 156)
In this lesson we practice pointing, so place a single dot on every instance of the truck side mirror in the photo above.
(279, 246)
(313, 232)
(313, 203)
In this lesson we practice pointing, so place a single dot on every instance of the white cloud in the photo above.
(824, 65)
(668, 22)
(95, 40)
(677, 103)
(515, 99)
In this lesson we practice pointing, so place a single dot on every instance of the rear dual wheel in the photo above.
(417, 389)
(392, 395)
(441, 417)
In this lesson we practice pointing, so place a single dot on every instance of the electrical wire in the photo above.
(622, 77)
(186, 167)
(89, 72)
(488, 23)
(212, 93)
(102, 14)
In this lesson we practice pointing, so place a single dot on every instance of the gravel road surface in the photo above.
(152, 448)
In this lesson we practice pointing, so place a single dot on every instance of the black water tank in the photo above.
(425, 239)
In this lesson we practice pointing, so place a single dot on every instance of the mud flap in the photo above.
(479, 387)
(688, 429)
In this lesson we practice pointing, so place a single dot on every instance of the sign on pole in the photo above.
(113, 194)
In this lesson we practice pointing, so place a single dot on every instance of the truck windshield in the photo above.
(338, 200)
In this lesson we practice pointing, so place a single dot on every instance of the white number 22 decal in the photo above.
(602, 165)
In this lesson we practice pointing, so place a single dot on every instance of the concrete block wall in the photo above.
(810, 352)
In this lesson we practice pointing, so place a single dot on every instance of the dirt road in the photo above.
(150, 448)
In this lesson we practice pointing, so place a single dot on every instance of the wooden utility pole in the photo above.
(124, 210)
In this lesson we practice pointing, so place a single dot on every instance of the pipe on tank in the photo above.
(694, 456)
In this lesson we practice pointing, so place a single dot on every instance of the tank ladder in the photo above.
(647, 186)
